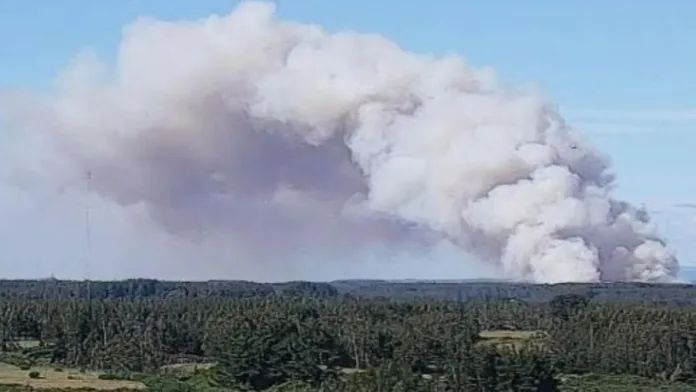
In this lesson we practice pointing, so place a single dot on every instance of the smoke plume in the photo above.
(286, 139)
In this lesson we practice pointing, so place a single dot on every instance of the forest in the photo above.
(355, 336)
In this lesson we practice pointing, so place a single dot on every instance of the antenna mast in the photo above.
(88, 235)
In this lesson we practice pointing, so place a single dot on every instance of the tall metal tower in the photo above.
(88, 235)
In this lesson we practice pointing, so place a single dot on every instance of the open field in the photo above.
(66, 379)
(186, 368)
(28, 343)
(511, 339)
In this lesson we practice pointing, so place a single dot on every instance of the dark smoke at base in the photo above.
(288, 141)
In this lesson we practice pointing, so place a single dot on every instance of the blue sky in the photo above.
(622, 72)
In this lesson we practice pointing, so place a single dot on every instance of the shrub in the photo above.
(34, 374)
(107, 376)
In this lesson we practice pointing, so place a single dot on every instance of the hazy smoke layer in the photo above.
(288, 139)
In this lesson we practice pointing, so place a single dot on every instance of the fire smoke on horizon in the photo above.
(286, 139)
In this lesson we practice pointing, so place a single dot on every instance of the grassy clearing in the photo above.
(186, 368)
(28, 343)
(506, 334)
(66, 379)
(515, 340)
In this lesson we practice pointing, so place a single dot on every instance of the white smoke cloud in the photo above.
(287, 141)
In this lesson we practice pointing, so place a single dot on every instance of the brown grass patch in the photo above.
(27, 343)
(66, 379)
(515, 340)
(189, 368)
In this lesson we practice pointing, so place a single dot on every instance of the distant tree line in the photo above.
(674, 295)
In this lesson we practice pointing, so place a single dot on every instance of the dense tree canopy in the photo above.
(355, 336)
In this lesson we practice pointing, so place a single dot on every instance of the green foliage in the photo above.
(606, 383)
(281, 350)
(169, 384)
(109, 376)
(566, 306)
(356, 336)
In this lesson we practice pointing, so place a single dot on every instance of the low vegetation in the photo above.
(49, 378)
(614, 383)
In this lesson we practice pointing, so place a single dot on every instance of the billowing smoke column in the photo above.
(288, 139)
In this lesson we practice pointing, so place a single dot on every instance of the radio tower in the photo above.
(88, 236)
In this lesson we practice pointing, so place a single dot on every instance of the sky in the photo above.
(621, 73)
